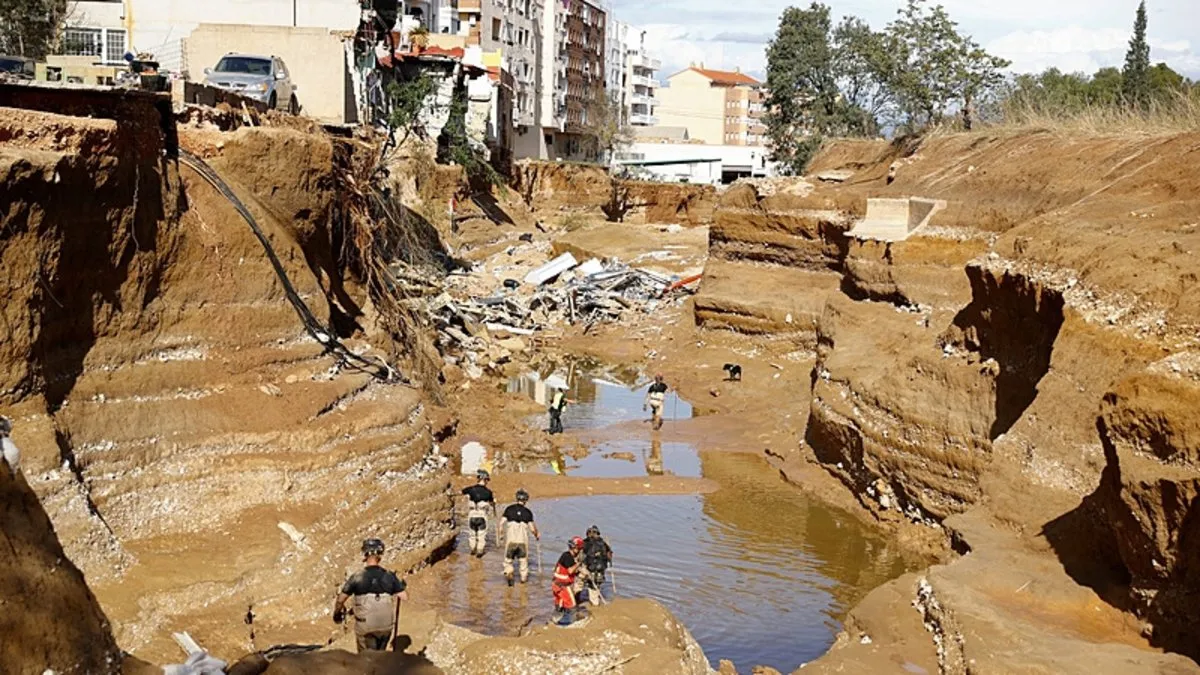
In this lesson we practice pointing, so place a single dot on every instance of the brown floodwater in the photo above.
(759, 573)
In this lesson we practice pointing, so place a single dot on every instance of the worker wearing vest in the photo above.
(480, 502)
(597, 556)
(563, 585)
(558, 401)
(656, 397)
(517, 524)
(376, 594)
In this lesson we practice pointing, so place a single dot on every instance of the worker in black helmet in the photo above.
(517, 524)
(480, 502)
(597, 556)
(376, 594)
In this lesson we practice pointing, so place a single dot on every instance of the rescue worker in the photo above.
(376, 594)
(563, 585)
(479, 502)
(517, 524)
(597, 556)
(558, 401)
(656, 397)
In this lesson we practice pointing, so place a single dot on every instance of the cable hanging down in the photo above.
(312, 325)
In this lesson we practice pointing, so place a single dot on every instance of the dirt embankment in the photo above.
(1021, 374)
(563, 190)
(196, 449)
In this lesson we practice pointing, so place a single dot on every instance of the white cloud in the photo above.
(1072, 35)
(1078, 49)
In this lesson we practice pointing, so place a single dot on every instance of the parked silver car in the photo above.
(262, 78)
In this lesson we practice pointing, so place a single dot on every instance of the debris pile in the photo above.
(562, 291)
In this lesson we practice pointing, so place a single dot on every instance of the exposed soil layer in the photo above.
(174, 414)
(1017, 374)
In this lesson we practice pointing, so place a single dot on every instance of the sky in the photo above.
(1072, 35)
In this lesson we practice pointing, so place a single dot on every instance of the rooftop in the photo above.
(728, 77)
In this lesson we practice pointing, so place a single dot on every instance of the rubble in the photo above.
(561, 291)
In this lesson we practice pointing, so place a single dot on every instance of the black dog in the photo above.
(733, 372)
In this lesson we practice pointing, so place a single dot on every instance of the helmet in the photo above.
(593, 530)
(522, 496)
(483, 475)
(5, 425)
(372, 546)
(576, 542)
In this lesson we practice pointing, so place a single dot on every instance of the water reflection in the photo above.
(630, 458)
(759, 574)
(603, 396)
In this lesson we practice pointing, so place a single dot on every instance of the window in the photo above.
(106, 44)
(495, 28)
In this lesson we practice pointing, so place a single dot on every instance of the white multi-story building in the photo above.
(616, 67)
(642, 84)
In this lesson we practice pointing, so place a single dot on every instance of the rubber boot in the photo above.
(567, 618)
(508, 578)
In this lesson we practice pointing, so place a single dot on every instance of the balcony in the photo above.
(643, 99)
(470, 6)
(640, 81)
(643, 61)
(643, 120)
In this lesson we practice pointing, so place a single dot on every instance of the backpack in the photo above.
(595, 554)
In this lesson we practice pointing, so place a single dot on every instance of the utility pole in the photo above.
(294, 13)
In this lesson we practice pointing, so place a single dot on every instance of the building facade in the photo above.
(571, 81)
(616, 66)
(718, 107)
(513, 27)
(642, 84)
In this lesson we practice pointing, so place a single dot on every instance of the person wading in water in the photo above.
(656, 398)
(376, 594)
(480, 503)
(517, 524)
(563, 585)
(558, 402)
(597, 556)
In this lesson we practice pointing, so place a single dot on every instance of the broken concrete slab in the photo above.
(890, 219)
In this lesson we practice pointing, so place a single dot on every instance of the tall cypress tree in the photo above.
(1135, 85)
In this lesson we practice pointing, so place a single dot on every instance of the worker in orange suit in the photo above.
(563, 585)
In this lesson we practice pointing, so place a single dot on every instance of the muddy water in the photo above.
(602, 396)
(757, 572)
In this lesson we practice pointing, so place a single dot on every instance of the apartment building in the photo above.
(616, 66)
(642, 84)
(513, 28)
(718, 107)
(571, 78)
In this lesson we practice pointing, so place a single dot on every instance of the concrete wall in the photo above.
(315, 57)
(691, 101)
(159, 26)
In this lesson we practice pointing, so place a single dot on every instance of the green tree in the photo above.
(409, 99)
(608, 124)
(32, 27)
(1166, 84)
(862, 67)
(1106, 87)
(979, 75)
(1136, 74)
(804, 104)
(926, 51)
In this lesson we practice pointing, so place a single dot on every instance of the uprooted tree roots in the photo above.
(372, 230)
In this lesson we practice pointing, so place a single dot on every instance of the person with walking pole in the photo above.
(597, 557)
(376, 594)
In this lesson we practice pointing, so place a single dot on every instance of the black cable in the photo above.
(319, 332)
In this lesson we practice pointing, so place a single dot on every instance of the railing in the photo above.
(643, 99)
(646, 62)
(643, 120)
(639, 80)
